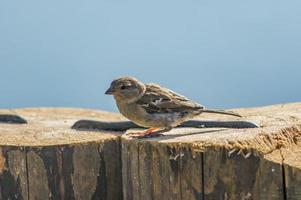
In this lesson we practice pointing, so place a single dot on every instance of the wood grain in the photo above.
(46, 159)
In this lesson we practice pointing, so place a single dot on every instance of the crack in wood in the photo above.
(138, 163)
(203, 176)
(27, 174)
(180, 162)
(60, 163)
(283, 177)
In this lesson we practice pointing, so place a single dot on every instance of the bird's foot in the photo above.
(152, 132)
(150, 135)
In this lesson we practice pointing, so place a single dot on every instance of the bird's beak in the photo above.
(109, 91)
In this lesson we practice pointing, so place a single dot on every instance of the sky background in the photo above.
(223, 54)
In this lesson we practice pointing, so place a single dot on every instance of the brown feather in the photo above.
(157, 99)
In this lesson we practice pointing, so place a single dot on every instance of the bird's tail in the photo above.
(223, 112)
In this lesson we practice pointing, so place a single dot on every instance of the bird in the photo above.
(154, 107)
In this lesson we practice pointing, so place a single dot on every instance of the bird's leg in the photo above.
(144, 133)
(152, 132)
(149, 131)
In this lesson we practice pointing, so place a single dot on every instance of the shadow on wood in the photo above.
(11, 119)
(125, 125)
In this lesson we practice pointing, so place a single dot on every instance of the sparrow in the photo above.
(153, 106)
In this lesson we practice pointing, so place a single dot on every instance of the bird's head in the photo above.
(126, 89)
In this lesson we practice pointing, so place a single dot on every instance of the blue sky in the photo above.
(223, 54)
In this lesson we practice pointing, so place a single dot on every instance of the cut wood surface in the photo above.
(46, 159)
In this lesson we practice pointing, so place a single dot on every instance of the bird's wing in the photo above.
(157, 99)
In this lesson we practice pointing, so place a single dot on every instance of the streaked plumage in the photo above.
(153, 106)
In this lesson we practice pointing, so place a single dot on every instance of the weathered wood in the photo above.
(292, 171)
(235, 177)
(130, 176)
(88, 171)
(13, 173)
(191, 172)
(219, 163)
(166, 171)
(45, 159)
(150, 171)
(160, 171)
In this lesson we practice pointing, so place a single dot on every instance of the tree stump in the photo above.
(217, 163)
(45, 159)
(41, 157)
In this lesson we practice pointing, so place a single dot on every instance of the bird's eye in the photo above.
(122, 87)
